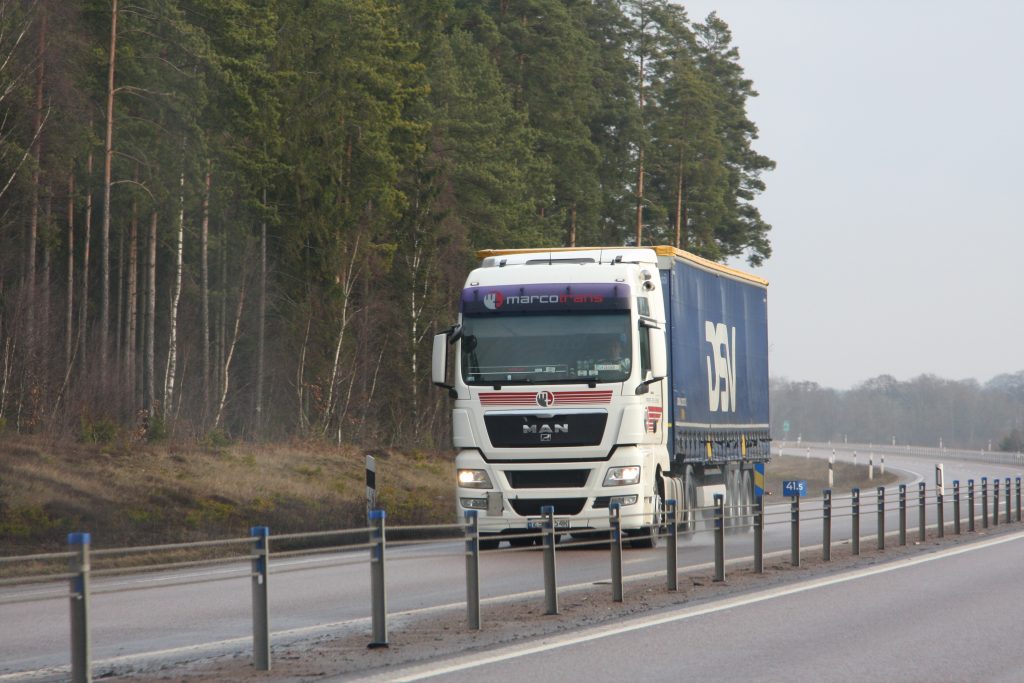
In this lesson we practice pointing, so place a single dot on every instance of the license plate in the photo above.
(539, 523)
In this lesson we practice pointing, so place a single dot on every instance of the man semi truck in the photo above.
(587, 376)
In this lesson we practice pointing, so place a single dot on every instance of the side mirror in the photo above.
(439, 361)
(659, 355)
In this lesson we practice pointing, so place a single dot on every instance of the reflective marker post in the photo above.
(855, 521)
(794, 530)
(881, 518)
(826, 525)
(984, 502)
(995, 501)
(903, 514)
(719, 537)
(921, 492)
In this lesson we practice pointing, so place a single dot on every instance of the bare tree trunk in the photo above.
(44, 314)
(69, 314)
(120, 303)
(131, 330)
(150, 380)
(262, 321)
(347, 285)
(300, 379)
(204, 246)
(172, 332)
(108, 150)
(231, 353)
(37, 154)
(83, 316)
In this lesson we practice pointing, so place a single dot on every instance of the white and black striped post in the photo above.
(378, 592)
(472, 569)
(371, 485)
(260, 602)
(81, 643)
(831, 469)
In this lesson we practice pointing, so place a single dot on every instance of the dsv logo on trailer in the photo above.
(721, 377)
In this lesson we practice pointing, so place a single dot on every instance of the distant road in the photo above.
(943, 616)
(152, 618)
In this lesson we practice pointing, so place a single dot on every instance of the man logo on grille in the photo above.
(545, 399)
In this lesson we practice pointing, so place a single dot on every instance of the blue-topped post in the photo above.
(260, 601)
(378, 594)
(81, 646)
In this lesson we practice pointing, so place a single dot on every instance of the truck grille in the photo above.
(530, 507)
(547, 479)
(545, 430)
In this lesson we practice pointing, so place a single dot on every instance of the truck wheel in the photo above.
(747, 504)
(689, 524)
(649, 536)
(489, 541)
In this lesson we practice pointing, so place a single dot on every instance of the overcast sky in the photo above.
(896, 205)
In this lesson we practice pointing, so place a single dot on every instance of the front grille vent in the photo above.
(547, 479)
(530, 507)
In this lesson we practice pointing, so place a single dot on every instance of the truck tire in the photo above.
(690, 514)
(489, 541)
(649, 536)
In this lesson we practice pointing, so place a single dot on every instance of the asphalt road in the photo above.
(190, 613)
(944, 616)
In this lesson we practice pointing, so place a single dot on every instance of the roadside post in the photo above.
(855, 521)
(1018, 499)
(472, 569)
(881, 518)
(1009, 500)
(795, 490)
(550, 583)
(260, 602)
(378, 596)
(672, 551)
(826, 525)
(81, 645)
(759, 517)
(995, 501)
(615, 528)
(719, 537)
(970, 504)
(371, 485)
(921, 491)
(940, 490)
(984, 502)
(903, 514)
(956, 507)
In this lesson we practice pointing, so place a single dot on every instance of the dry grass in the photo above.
(145, 494)
(815, 470)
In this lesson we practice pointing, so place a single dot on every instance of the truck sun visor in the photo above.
(545, 297)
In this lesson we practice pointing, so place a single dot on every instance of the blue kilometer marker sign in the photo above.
(794, 488)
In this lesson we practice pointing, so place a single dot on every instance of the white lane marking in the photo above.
(555, 642)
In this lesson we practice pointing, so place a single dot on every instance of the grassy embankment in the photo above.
(142, 494)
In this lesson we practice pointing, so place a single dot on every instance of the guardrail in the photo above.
(257, 551)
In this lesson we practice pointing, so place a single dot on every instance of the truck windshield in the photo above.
(535, 349)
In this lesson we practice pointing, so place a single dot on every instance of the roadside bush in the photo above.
(102, 431)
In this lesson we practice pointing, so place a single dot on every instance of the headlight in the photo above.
(474, 479)
(476, 503)
(622, 476)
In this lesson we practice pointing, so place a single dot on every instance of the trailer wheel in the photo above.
(747, 501)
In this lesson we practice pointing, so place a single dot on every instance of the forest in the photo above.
(244, 219)
(922, 411)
